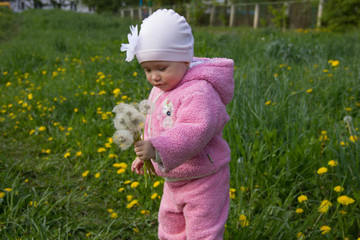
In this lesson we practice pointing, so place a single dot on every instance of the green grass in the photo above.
(58, 71)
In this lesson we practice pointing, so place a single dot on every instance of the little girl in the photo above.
(183, 134)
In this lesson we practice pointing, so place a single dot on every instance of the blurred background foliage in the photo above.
(339, 15)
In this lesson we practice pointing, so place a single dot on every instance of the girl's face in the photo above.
(164, 75)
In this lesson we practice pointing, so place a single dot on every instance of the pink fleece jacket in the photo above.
(186, 125)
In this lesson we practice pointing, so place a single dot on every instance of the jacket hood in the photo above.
(216, 71)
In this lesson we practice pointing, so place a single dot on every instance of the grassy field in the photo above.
(293, 131)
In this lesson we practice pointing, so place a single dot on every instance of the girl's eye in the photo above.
(162, 68)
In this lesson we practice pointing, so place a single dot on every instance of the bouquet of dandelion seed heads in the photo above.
(129, 124)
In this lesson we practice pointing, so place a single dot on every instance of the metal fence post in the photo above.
(256, 16)
(319, 13)
(212, 15)
(140, 14)
(232, 15)
(131, 13)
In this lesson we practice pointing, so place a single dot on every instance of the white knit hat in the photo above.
(164, 36)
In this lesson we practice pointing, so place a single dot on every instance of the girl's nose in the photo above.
(155, 76)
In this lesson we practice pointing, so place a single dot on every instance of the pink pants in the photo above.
(195, 209)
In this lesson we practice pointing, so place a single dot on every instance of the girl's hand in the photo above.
(137, 166)
(144, 150)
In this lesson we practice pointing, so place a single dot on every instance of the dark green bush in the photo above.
(342, 15)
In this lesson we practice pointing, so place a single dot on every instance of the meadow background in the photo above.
(293, 130)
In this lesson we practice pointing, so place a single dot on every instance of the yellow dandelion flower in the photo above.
(8, 84)
(302, 198)
(243, 220)
(112, 155)
(132, 204)
(120, 171)
(135, 74)
(310, 90)
(2, 194)
(268, 103)
(342, 143)
(42, 128)
(348, 109)
(120, 165)
(325, 229)
(32, 132)
(276, 75)
(335, 63)
(97, 175)
(156, 184)
(322, 170)
(84, 174)
(134, 184)
(30, 96)
(145, 212)
(300, 235)
(116, 91)
(323, 138)
(121, 189)
(110, 210)
(342, 212)
(345, 200)
(299, 210)
(32, 203)
(127, 182)
(324, 206)
(102, 92)
(46, 151)
(353, 138)
(78, 154)
(332, 163)
(66, 155)
(338, 189)
(154, 196)
(124, 97)
(101, 150)
(88, 234)
(129, 198)
(114, 215)
(8, 189)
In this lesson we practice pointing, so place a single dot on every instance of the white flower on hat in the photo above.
(131, 46)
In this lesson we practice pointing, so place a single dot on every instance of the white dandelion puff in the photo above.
(137, 122)
(348, 119)
(119, 108)
(123, 138)
(146, 107)
(120, 121)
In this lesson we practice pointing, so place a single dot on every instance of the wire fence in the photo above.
(287, 14)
